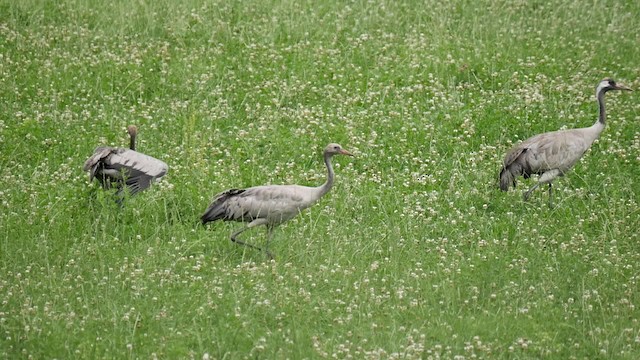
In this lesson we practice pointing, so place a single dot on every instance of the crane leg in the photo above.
(550, 196)
(254, 223)
(240, 231)
(545, 178)
(269, 236)
(528, 193)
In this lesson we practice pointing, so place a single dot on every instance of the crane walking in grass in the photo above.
(269, 205)
(552, 154)
(124, 168)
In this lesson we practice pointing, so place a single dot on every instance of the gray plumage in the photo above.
(552, 154)
(124, 168)
(269, 205)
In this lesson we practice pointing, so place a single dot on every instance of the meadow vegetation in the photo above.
(414, 254)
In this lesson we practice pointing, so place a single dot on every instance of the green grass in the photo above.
(414, 253)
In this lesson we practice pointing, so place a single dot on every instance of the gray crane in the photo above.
(552, 154)
(269, 205)
(124, 168)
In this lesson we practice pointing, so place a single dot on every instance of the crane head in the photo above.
(335, 149)
(610, 84)
(132, 130)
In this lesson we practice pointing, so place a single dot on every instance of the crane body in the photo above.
(269, 205)
(552, 154)
(124, 168)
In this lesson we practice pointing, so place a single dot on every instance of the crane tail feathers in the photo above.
(212, 214)
(217, 210)
(507, 178)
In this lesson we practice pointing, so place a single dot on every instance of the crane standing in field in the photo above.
(552, 154)
(126, 168)
(269, 205)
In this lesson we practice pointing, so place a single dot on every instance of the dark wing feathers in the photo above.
(135, 184)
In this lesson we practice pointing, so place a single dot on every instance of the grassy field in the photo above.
(414, 254)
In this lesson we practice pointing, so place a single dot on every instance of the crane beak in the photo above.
(345, 152)
(622, 87)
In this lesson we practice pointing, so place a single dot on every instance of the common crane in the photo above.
(124, 168)
(552, 154)
(269, 205)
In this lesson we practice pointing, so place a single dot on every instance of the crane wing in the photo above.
(274, 202)
(565, 153)
(277, 202)
(138, 162)
(139, 170)
(555, 150)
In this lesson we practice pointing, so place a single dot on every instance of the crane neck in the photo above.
(597, 128)
(602, 117)
(132, 142)
(324, 188)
